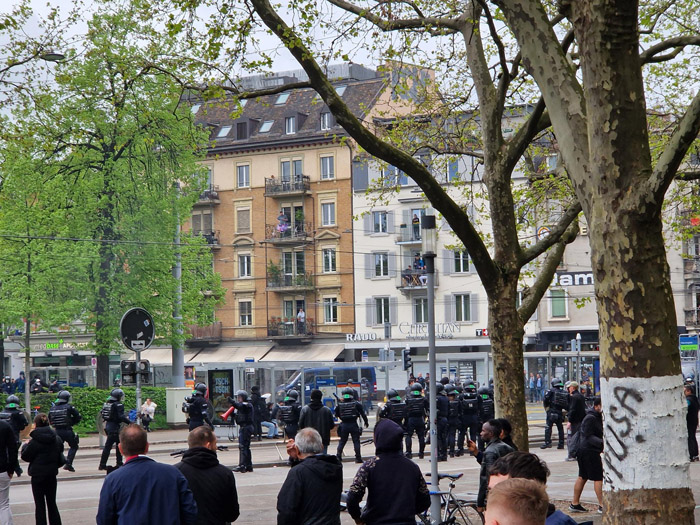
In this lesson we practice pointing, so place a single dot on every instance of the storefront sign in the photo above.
(573, 279)
(420, 330)
(60, 345)
(371, 336)
(482, 332)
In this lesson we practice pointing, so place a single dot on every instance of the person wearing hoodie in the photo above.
(590, 465)
(311, 493)
(317, 415)
(396, 489)
(495, 448)
(691, 420)
(212, 484)
(8, 466)
(44, 453)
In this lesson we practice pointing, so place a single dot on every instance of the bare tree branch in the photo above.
(394, 25)
(559, 229)
(676, 43)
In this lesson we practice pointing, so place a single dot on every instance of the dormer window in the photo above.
(326, 121)
(340, 90)
(290, 125)
(266, 126)
(282, 99)
(223, 131)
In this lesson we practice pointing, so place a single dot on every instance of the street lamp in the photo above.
(429, 246)
(52, 56)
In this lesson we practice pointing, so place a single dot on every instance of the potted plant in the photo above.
(273, 272)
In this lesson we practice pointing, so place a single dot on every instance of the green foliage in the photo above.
(89, 402)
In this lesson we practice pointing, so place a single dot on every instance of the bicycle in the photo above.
(455, 510)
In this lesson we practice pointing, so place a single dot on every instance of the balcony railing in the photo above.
(210, 236)
(408, 235)
(284, 233)
(209, 196)
(283, 327)
(204, 335)
(284, 282)
(692, 317)
(414, 280)
(279, 188)
(691, 265)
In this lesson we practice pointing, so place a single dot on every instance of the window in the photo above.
(289, 169)
(557, 303)
(243, 172)
(201, 222)
(245, 309)
(382, 310)
(266, 126)
(242, 220)
(420, 309)
(244, 269)
(379, 222)
(340, 90)
(461, 261)
(328, 214)
(300, 263)
(195, 108)
(326, 121)
(330, 309)
(462, 308)
(328, 260)
(242, 130)
(327, 168)
(290, 125)
(223, 131)
(381, 264)
(282, 98)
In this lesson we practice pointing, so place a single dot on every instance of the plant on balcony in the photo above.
(301, 280)
(273, 272)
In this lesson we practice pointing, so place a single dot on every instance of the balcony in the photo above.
(290, 283)
(203, 336)
(691, 266)
(209, 196)
(692, 317)
(285, 234)
(412, 280)
(301, 185)
(408, 235)
(290, 329)
(211, 237)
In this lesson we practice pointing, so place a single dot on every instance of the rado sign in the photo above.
(371, 336)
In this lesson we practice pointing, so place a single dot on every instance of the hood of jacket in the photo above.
(388, 436)
(594, 412)
(43, 435)
(328, 468)
(200, 457)
(315, 404)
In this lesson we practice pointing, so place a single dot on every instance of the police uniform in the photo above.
(289, 413)
(443, 408)
(555, 401)
(197, 412)
(113, 416)
(454, 419)
(487, 410)
(14, 417)
(348, 411)
(470, 425)
(395, 409)
(62, 417)
(245, 419)
(416, 409)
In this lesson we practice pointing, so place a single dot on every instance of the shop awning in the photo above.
(158, 355)
(310, 352)
(229, 354)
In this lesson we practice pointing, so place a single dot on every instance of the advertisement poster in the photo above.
(189, 377)
(220, 389)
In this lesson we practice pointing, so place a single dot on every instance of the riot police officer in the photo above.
(113, 415)
(470, 426)
(454, 416)
(416, 409)
(443, 409)
(246, 427)
(348, 410)
(555, 400)
(15, 417)
(63, 416)
(289, 413)
(487, 410)
(197, 407)
(395, 408)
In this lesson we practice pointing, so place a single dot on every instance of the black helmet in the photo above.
(117, 394)
(483, 390)
(12, 401)
(200, 389)
(458, 388)
(243, 394)
(348, 393)
(470, 387)
(416, 389)
(556, 382)
(445, 380)
(439, 388)
(392, 394)
(449, 389)
(63, 397)
(292, 395)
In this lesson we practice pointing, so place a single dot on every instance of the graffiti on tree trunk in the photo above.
(619, 431)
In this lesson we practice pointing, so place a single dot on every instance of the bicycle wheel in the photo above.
(463, 512)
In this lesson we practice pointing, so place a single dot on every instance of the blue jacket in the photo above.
(144, 492)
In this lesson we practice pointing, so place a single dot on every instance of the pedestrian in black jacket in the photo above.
(576, 411)
(590, 465)
(691, 420)
(311, 493)
(212, 484)
(259, 409)
(317, 415)
(495, 448)
(8, 466)
(396, 489)
(44, 453)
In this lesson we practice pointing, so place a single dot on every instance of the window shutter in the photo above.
(367, 223)
(449, 308)
(196, 223)
(369, 266)
(406, 218)
(474, 307)
(206, 222)
(390, 222)
(360, 175)
(391, 259)
(393, 310)
(369, 305)
(448, 261)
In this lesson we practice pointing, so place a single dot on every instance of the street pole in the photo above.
(429, 252)
(578, 351)
(178, 353)
(138, 384)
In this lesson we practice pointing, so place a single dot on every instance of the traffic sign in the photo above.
(136, 329)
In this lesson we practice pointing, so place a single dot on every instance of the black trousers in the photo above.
(70, 437)
(194, 423)
(112, 441)
(442, 437)
(291, 429)
(44, 491)
(417, 425)
(692, 441)
(452, 428)
(554, 418)
(345, 430)
(468, 430)
(245, 459)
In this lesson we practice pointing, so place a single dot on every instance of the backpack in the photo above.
(106, 411)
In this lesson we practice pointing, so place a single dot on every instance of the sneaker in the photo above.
(102, 467)
(546, 445)
(577, 508)
(69, 468)
(570, 459)
(409, 455)
(421, 455)
(600, 509)
(560, 447)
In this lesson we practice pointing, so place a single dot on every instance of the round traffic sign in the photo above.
(136, 329)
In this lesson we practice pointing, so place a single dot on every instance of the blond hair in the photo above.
(518, 501)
